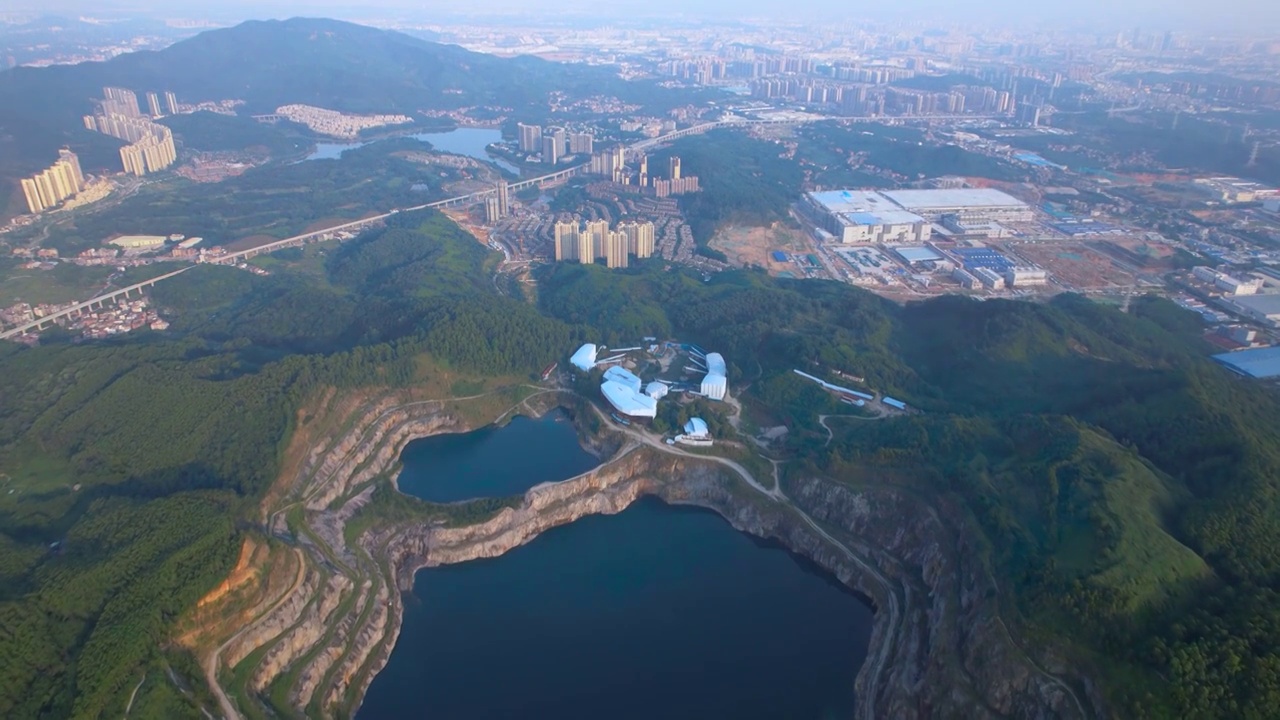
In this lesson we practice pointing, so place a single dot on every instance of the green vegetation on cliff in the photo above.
(1127, 489)
(132, 467)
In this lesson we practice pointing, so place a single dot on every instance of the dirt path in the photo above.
(822, 420)
(134, 694)
(215, 658)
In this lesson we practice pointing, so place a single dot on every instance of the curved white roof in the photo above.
(622, 375)
(629, 401)
(696, 427)
(585, 357)
(715, 385)
(656, 390)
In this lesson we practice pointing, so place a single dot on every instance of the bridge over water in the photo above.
(365, 223)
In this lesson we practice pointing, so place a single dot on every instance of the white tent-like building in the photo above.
(696, 429)
(585, 357)
(715, 385)
(622, 375)
(628, 400)
(656, 390)
(621, 388)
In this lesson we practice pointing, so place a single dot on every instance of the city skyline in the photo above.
(1251, 17)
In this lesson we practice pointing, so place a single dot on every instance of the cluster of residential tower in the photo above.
(150, 147)
(49, 187)
(595, 241)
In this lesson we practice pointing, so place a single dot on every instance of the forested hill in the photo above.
(328, 63)
(130, 470)
(1126, 489)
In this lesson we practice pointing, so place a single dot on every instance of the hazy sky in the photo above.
(1253, 16)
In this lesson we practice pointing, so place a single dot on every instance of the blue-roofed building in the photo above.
(912, 255)
(974, 258)
(1257, 363)
(779, 256)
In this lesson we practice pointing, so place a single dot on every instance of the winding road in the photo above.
(214, 659)
(822, 420)
(892, 601)
(893, 609)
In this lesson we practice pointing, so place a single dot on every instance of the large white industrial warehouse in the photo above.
(864, 216)
(968, 204)
(715, 385)
(621, 388)
(883, 216)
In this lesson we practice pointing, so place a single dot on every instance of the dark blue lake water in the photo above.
(657, 612)
(493, 461)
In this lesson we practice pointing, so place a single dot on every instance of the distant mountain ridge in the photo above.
(328, 63)
(303, 60)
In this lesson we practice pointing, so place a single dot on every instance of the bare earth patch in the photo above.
(755, 246)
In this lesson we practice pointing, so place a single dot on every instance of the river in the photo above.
(659, 611)
(467, 141)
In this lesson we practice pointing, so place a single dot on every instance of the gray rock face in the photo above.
(939, 647)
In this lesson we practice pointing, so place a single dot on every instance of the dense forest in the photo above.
(1126, 487)
(129, 469)
(900, 150)
(213, 132)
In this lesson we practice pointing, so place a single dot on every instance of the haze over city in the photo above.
(1241, 16)
(678, 359)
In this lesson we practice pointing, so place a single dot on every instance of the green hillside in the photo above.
(266, 64)
(1129, 487)
(1125, 487)
(143, 459)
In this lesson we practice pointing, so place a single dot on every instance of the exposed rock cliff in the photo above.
(938, 645)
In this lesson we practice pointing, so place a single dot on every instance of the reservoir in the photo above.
(494, 461)
(460, 141)
(657, 612)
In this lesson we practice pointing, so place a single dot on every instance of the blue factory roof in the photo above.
(983, 257)
(949, 198)
(779, 256)
(1259, 363)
